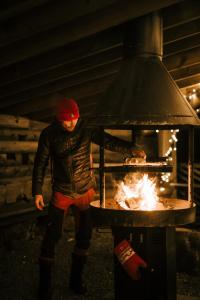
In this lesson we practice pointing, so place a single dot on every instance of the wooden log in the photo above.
(24, 179)
(38, 125)
(19, 158)
(18, 171)
(25, 136)
(3, 158)
(17, 191)
(22, 189)
(17, 146)
(19, 122)
(5, 161)
(13, 121)
(13, 190)
(13, 132)
(26, 190)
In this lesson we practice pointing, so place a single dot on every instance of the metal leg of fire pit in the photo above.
(157, 247)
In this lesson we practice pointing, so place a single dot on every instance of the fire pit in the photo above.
(144, 96)
(180, 212)
(136, 202)
(150, 229)
(152, 235)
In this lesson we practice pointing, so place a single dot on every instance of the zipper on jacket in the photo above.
(71, 168)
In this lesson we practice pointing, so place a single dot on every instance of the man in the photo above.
(67, 143)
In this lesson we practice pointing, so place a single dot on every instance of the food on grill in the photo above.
(142, 162)
(135, 160)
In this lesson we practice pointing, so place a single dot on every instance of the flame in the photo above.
(137, 193)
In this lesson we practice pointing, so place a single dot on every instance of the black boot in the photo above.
(75, 280)
(45, 270)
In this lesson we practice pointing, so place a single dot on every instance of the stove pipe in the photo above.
(143, 92)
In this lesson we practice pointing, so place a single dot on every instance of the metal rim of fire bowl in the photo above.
(108, 217)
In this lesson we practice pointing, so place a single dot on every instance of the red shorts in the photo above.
(64, 202)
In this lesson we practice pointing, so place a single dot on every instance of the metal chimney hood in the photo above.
(143, 92)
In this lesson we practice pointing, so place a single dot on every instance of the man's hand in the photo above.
(39, 202)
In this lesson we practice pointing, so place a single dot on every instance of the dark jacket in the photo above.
(70, 157)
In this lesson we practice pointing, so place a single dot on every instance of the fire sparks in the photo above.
(138, 193)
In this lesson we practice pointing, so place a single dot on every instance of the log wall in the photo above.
(18, 144)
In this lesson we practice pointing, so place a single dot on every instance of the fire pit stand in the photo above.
(157, 247)
(144, 96)
(150, 233)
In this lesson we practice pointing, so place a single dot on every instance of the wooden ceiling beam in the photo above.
(86, 64)
(182, 60)
(87, 48)
(186, 72)
(179, 76)
(182, 83)
(173, 63)
(113, 15)
(65, 83)
(54, 14)
(180, 32)
(181, 13)
(19, 7)
(65, 55)
(79, 91)
(63, 72)
(182, 45)
(45, 17)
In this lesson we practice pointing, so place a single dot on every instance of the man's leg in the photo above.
(83, 225)
(52, 235)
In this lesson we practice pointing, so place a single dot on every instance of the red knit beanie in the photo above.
(67, 110)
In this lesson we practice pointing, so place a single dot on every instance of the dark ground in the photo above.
(19, 249)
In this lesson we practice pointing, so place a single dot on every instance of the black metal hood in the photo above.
(143, 92)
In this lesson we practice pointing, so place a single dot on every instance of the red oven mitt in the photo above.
(129, 259)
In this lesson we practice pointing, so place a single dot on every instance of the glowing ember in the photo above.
(138, 193)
